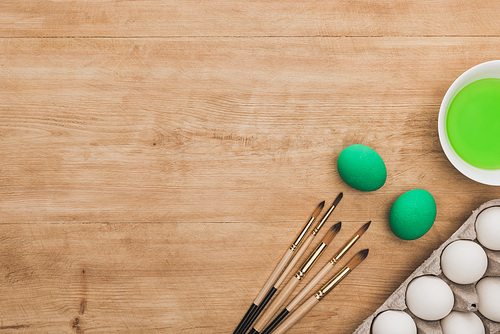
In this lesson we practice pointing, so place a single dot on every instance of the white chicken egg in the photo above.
(394, 322)
(462, 323)
(464, 262)
(488, 228)
(429, 298)
(488, 292)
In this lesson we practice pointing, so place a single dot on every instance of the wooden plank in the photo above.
(180, 278)
(214, 130)
(118, 18)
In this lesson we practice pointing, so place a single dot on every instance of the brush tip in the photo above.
(358, 258)
(332, 232)
(337, 200)
(318, 209)
(363, 228)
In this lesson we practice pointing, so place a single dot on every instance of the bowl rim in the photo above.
(477, 72)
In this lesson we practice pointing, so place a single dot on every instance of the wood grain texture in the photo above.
(153, 18)
(223, 130)
(153, 171)
(179, 278)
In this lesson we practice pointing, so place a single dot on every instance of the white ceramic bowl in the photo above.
(490, 69)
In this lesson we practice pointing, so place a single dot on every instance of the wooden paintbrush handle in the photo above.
(294, 261)
(276, 304)
(296, 316)
(309, 287)
(274, 276)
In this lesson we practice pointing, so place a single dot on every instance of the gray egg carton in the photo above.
(465, 295)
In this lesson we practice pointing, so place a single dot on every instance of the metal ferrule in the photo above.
(323, 220)
(344, 250)
(299, 275)
(332, 283)
(301, 235)
(311, 261)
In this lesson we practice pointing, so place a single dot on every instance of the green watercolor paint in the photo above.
(473, 123)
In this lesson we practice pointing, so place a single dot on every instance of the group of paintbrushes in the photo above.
(275, 321)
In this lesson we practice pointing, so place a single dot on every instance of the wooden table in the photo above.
(158, 157)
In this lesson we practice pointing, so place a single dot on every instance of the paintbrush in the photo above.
(325, 289)
(266, 291)
(295, 280)
(293, 262)
(316, 279)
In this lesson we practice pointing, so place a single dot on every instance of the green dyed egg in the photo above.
(412, 214)
(362, 168)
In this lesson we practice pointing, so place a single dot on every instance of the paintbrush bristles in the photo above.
(337, 200)
(328, 213)
(363, 228)
(332, 232)
(357, 259)
(318, 210)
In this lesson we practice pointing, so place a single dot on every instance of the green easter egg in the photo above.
(362, 168)
(412, 214)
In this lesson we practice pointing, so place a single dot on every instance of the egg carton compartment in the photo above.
(465, 295)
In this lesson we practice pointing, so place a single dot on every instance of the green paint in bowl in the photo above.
(473, 123)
